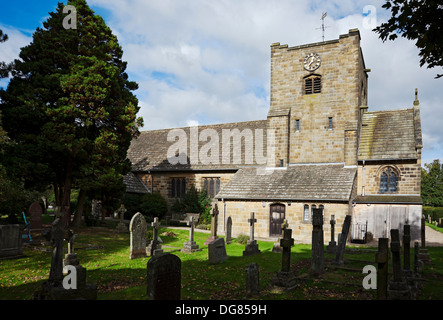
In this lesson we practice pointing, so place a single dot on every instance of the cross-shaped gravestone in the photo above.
(332, 246)
(276, 247)
(121, 227)
(382, 259)
(214, 218)
(286, 243)
(251, 246)
(191, 245)
(154, 247)
(398, 289)
(318, 261)
(284, 277)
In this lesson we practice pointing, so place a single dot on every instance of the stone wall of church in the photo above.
(409, 177)
(239, 211)
(161, 182)
(343, 89)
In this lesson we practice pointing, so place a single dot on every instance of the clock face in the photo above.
(312, 62)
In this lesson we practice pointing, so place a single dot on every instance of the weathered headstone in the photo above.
(154, 246)
(342, 241)
(276, 247)
(191, 245)
(252, 279)
(397, 289)
(121, 227)
(35, 216)
(284, 277)
(214, 218)
(407, 250)
(217, 251)
(251, 247)
(382, 259)
(137, 229)
(164, 277)
(423, 254)
(317, 245)
(418, 264)
(229, 231)
(332, 246)
(10, 240)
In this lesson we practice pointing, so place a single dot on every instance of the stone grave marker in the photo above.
(214, 218)
(284, 277)
(342, 241)
(35, 216)
(397, 289)
(332, 246)
(10, 240)
(121, 227)
(164, 277)
(217, 251)
(252, 280)
(229, 231)
(382, 259)
(317, 244)
(418, 264)
(423, 254)
(251, 247)
(137, 229)
(154, 246)
(276, 247)
(191, 245)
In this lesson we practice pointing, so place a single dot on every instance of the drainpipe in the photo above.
(363, 182)
(224, 220)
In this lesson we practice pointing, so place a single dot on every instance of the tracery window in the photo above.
(388, 181)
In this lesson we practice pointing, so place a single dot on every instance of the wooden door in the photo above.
(276, 218)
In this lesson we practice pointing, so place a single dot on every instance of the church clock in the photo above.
(312, 62)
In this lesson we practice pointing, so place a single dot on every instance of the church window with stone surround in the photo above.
(178, 187)
(312, 84)
(306, 213)
(211, 186)
(330, 123)
(388, 181)
(297, 125)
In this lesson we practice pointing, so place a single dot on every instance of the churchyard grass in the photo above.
(105, 255)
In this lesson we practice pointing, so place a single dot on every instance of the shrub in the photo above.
(153, 205)
(194, 201)
(242, 239)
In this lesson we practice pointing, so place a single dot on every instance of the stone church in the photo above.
(320, 147)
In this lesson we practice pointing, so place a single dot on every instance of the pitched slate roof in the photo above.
(150, 150)
(389, 135)
(133, 184)
(301, 182)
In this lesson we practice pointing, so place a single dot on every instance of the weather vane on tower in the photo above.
(323, 27)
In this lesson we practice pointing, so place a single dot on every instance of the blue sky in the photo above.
(207, 61)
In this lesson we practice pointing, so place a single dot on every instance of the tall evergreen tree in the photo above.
(432, 184)
(69, 106)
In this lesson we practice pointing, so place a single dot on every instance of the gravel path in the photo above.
(433, 238)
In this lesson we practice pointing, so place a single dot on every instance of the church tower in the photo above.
(318, 93)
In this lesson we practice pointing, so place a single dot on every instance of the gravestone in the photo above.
(214, 222)
(397, 289)
(251, 247)
(164, 277)
(332, 246)
(285, 278)
(318, 260)
(382, 259)
(137, 229)
(229, 231)
(342, 241)
(154, 246)
(10, 240)
(191, 245)
(252, 279)
(423, 254)
(407, 250)
(276, 247)
(35, 216)
(217, 251)
(121, 227)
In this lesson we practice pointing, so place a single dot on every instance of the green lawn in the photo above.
(105, 254)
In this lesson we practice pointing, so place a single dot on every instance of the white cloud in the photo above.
(209, 60)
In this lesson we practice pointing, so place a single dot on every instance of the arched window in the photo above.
(306, 213)
(388, 181)
(312, 84)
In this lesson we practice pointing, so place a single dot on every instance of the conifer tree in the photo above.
(69, 107)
